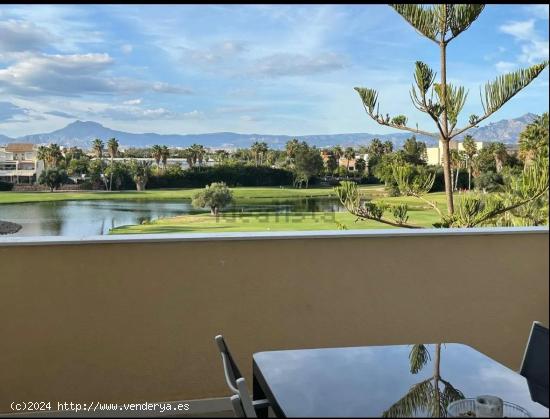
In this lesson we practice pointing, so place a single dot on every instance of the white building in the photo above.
(435, 154)
(19, 163)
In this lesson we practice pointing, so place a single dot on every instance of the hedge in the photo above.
(5, 186)
(238, 175)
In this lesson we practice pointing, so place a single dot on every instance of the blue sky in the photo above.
(278, 69)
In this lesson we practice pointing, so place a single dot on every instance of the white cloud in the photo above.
(61, 114)
(521, 30)
(132, 113)
(533, 48)
(215, 53)
(284, 64)
(70, 75)
(505, 66)
(19, 35)
(57, 74)
(541, 11)
(161, 87)
(9, 111)
(193, 115)
(126, 48)
(132, 102)
(534, 52)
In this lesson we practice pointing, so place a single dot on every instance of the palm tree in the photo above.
(425, 397)
(50, 155)
(156, 153)
(470, 148)
(112, 149)
(140, 170)
(188, 156)
(337, 152)
(42, 154)
(349, 153)
(500, 154)
(456, 161)
(221, 155)
(533, 140)
(255, 149)
(291, 148)
(258, 151)
(97, 147)
(197, 152)
(388, 147)
(164, 154)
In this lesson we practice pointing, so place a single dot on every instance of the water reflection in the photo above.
(88, 218)
(429, 397)
(367, 381)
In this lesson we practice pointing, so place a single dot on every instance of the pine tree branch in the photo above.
(433, 205)
(501, 90)
(381, 121)
(364, 215)
(498, 212)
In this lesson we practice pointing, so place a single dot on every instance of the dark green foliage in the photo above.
(215, 196)
(5, 186)
(360, 166)
(78, 166)
(234, 175)
(489, 182)
(307, 164)
(120, 175)
(439, 183)
(53, 178)
(418, 357)
(414, 151)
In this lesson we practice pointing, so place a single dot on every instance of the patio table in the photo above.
(367, 381)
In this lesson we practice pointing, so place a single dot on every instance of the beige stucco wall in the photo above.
(135, 321)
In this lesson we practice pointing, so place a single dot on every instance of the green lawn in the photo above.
(419, 214)
(256, 221)
(243, 193)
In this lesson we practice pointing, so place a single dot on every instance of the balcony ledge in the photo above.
(286, 235)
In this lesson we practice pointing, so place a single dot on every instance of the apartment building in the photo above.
(435, 154)
(19, 163)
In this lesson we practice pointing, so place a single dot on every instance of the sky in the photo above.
(279, 69)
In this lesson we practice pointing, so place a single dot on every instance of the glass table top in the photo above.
(367, 381)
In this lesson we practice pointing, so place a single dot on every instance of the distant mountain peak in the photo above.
(81, 133)
(84, 124)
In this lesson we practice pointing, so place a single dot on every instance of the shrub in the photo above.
(5, 186)
(489, 182)
(53, 178)
(439, 182)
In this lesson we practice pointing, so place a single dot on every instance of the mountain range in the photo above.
(81, 133)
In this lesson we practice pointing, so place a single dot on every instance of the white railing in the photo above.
(17, 172)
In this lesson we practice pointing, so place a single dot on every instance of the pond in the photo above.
(97, 217)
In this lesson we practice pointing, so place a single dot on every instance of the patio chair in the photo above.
(235, 380)
(237, 406)
(242, 403)
(534, 366)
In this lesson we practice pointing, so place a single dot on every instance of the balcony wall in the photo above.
(133, 319)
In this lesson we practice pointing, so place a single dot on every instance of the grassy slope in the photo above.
(419, 214)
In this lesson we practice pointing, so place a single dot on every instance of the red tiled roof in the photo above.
(19, 147)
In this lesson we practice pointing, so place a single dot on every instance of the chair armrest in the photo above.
(260, 404)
